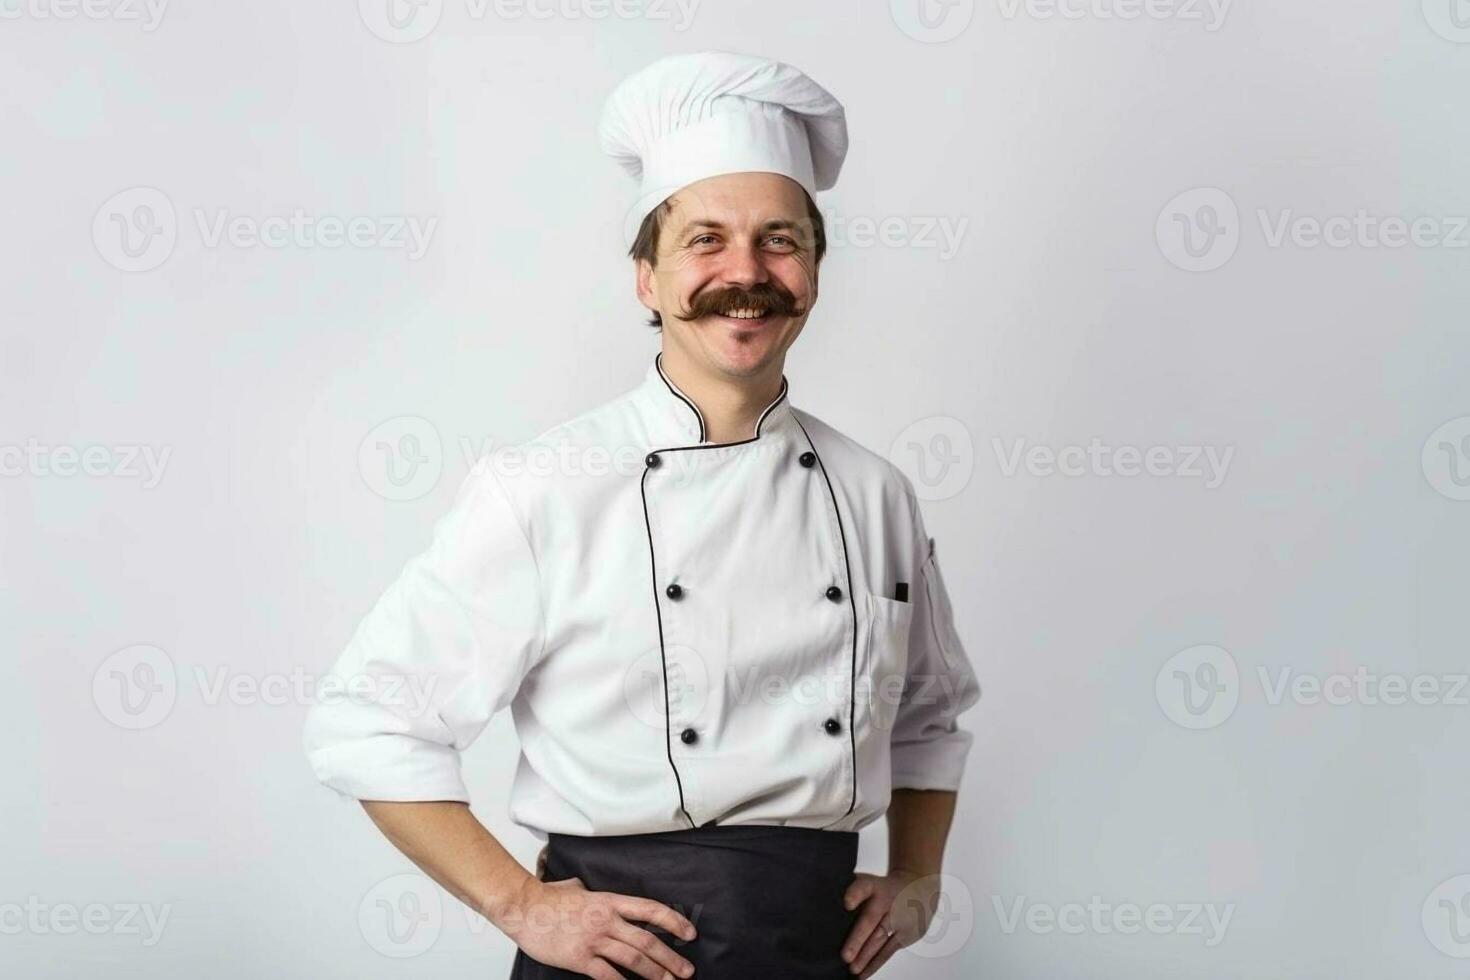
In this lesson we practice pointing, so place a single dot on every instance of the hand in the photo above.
(896, 911)
(562, 924)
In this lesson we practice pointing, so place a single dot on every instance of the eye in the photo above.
(782, 242)
(703, 239)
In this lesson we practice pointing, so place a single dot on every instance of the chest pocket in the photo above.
(885, 661)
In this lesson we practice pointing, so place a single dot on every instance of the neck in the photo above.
(730, 405)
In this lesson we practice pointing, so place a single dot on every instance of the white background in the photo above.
(1334, 544)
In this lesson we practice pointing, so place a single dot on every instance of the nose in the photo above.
(743, 267)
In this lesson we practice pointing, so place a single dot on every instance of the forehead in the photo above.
(742, 200)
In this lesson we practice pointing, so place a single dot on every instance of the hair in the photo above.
(645, 246)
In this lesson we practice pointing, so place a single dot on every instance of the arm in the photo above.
(444, 839)
(907, 897)
(443, 649)
(558, 923)
(918, 826)
(929, 749)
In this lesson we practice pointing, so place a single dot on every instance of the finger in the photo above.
(877, 939)
(867, 921)
(654, 948)
(884, 955)
(600, 969)
(657, 913)
(615, 951)
(858, 892)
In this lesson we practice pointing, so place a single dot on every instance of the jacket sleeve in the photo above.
(443, 649)
(929, 748)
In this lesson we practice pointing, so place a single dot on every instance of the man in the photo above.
(719, 623)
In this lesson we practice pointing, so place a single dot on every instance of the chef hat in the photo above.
(691, 116)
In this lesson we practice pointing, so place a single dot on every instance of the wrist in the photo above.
(505, 906)
(911, 869)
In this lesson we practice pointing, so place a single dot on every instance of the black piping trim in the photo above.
(852, 605)
(658, 363)
(771, 407)
(653, 563)
(663, 662)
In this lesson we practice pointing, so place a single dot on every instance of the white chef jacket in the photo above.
(686, 632)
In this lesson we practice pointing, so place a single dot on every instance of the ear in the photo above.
(643, 283)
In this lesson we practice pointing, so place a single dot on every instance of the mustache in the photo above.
(772, 297)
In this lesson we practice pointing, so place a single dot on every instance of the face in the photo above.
(736, 272)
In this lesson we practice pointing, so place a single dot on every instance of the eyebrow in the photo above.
(775, 224)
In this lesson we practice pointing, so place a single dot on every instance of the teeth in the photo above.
(746, 314)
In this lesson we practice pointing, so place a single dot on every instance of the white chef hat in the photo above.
(691, 116)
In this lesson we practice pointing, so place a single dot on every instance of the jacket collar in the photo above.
(675, 419)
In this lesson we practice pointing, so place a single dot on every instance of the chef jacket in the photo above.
(686, 632)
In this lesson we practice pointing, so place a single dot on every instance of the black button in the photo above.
(652, 460)
(807, 459)
(688, 736)
(834, 593)
(832, 726)
(674, 591)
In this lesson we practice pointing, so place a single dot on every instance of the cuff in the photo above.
(935, 764)
(396, 768)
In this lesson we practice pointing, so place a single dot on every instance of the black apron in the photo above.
(766, 901)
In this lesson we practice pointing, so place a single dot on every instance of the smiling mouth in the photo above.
(750, 316)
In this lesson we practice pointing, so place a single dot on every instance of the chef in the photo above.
(718, 622)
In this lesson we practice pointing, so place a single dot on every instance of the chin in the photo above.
(744, 351)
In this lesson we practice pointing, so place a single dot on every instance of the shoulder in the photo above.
(849, 460)
(614, 420)
(569, 456)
